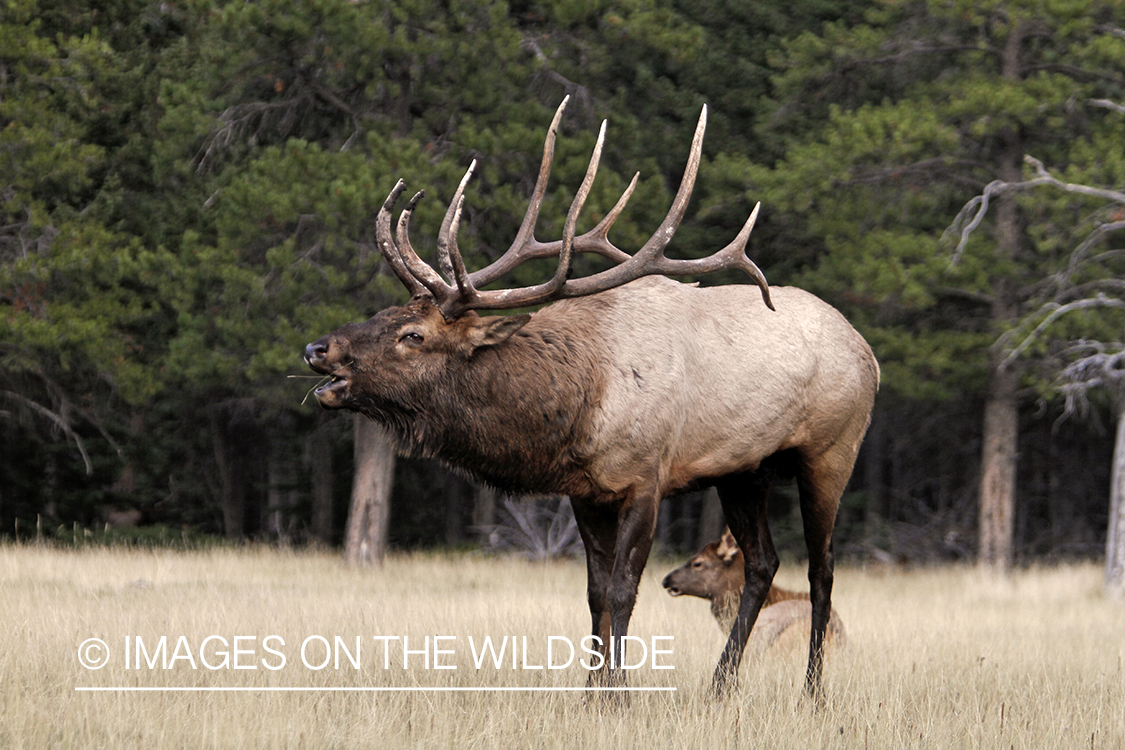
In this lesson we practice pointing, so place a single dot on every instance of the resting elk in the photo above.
(628, 388)
(715, 573)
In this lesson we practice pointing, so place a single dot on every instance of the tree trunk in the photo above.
(1115, 533)
(458, 495)
(366, 540)
(232, 501)
(1001, 410)
(318, 449)
(998, 471)
(710, 518)
(874, 466)
(484, 507)
(276, 482)
(281, 493)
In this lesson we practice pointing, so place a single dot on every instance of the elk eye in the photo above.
(696, 564)
(413, 337)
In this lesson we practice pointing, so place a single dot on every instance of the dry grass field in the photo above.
(937, 658)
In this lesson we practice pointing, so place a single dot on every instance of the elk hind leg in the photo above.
(744, 505)
(821, 483)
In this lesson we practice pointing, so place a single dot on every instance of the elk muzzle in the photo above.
(672, 584)
(335, 393)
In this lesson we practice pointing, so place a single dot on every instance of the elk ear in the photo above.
(727, 548)
(497, 329)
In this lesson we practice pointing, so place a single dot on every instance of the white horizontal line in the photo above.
(125, 689)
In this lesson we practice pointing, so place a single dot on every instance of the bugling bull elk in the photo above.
(626, 390)
(716, 573)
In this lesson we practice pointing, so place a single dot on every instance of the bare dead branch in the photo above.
(57, 420)
(237, 120)
(1116, 31)
(577, 91)
(1046, 178)
(1100, 366)
(1107, 104)
(978, 206)
(1054, 312)
(1089, 288)
(1078, 257)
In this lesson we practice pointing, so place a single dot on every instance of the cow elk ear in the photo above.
(727, 548)
(495, 330)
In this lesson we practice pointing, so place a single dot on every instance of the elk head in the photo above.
(381, 363)
(710, 573)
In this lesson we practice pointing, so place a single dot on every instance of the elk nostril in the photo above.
(315, 351)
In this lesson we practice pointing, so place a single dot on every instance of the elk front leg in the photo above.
(597, 525)
(744, 505)
(636, 526)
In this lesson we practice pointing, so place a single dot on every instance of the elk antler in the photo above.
(460, 291)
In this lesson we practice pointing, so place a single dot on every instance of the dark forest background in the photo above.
(187, 192)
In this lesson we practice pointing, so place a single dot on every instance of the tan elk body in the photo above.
(717, 573)
(628, 388)
(689, 386)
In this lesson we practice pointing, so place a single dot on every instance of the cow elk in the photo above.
(717, 573)
(625, 390)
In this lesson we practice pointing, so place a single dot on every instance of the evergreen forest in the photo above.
(188, 191)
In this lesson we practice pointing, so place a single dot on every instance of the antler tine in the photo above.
(566, 253)
(387, 244)
(597, 239)
(527, 227)
(466, 292)
(658, 241)
(736, 250)
(524, 246)
(469, 297)
(417, 267)
(650, 259)
(594, 241)
(731, 256)
(444, 244)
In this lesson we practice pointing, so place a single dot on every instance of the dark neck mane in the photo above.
(515, 416)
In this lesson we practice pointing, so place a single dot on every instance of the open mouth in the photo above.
(336, 386)
(332, 392)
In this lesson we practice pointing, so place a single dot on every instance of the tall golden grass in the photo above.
(936, 658)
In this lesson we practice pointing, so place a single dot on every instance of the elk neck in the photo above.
(517, 415)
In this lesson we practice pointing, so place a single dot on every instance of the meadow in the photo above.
(935, 658)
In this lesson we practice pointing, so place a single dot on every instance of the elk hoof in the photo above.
(723, 684)
(813, 697)
(604, 689)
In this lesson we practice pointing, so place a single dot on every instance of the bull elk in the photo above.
(716, 573)
(630, 387)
